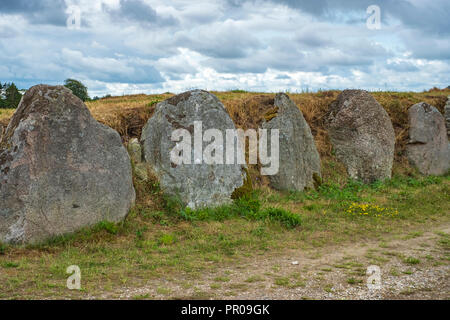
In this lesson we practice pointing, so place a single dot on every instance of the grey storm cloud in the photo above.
(137, 11)
(431, 15)
(109, 69)
(226, 43)
(37, 12)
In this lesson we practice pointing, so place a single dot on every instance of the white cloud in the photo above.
(258, 45)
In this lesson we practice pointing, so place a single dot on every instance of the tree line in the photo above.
(10, 96)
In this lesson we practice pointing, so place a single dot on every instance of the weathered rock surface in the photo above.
(135, 151)
(362, 135)
(60, 170)
(447, 116)
(196, 184)
(428, 148)
(299, 160)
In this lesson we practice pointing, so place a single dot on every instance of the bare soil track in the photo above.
(413, 266)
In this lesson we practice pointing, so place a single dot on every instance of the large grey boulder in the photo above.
(447, 116)
(197, 184)
(60, 170)
(298, 157)
(428, 148)
(362, 135)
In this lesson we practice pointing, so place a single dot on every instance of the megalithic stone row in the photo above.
(362, 135)
(428, 148)
(194, 182)
(299, 161)
(60, 170)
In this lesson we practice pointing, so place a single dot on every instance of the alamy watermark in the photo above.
(73, 21)
(74, 281)
(230, 150)
(374, 279)
(373, 22)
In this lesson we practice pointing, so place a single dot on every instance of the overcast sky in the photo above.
(145, 46)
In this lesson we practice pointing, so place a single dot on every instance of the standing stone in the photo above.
(135, 151)
(299, 160)
(447, 116)
(428, 148)
(196, 184)
(362, 135)
(60, 170)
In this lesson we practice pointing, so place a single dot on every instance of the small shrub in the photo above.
(286, 218)
(153, 102)
(248, 207)
(166, 239)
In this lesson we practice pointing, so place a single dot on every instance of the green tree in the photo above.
(78, 89)
(12, 96)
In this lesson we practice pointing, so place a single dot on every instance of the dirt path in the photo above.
(414, 266)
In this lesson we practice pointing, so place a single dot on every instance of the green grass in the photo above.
(411, 260)
(354, 281)
(10, 264)
(247, 208)
(222, 279)
(155, 243)
(282, 281)
(166, 239)
(444, 240)
(253, 279)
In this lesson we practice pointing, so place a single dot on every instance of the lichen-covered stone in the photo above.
(299, 160)
(135, 151)
(362, 136)
(196, 184)
(60, 170)
(428, 148)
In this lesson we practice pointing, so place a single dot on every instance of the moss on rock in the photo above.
(246, 189)
(317, 180)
